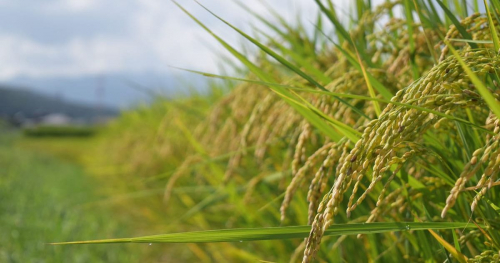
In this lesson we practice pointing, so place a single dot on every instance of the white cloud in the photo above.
(154, 35)
(72, 6)
(24, 57)
(78, 5)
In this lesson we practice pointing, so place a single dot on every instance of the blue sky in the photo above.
(43, 41)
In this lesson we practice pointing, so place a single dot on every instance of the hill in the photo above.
(19, 104)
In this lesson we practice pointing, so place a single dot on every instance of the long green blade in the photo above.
(457, 24)
(283, 61)
(291, 232)
(409, 24)
(330, 14)
(298, 58)
(493, 30)
(376, 105)
(315, 120)
(471, 41)
(378, 86)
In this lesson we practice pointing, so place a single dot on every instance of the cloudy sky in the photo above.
(42, 42)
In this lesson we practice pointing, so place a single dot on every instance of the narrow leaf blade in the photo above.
(291, 232)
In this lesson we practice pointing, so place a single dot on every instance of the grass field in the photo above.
(43, 199)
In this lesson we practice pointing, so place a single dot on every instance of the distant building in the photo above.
(55, 119)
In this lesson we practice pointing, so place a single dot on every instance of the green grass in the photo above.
(59, 131)
(42, 199)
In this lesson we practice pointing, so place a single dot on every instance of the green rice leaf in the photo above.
(492, 205)
(426, 23)
(457, 24)
(282, 60)
(376, 105)
(409, 24)
(453, 251)
(287, 96)
(301, 60)
(493, 30)
(436, 19)
(272, 233)
(348, 131)
(377, 84)
(471, 41)
(330, 14)
(496, 5)
(455, 242)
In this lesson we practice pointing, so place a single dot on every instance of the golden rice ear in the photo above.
(180, 171)
(314, 239)
(488, 155)
(299, 177)
(319, 182)
(382, 137)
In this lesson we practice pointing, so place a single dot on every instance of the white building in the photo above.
(55, 119)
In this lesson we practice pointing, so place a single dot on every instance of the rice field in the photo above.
(373, 138)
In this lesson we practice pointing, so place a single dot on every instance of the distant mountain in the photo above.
(18, 105)
(116, 90)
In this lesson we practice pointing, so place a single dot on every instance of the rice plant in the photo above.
(371, 133)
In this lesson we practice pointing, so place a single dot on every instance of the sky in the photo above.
(56, 46)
